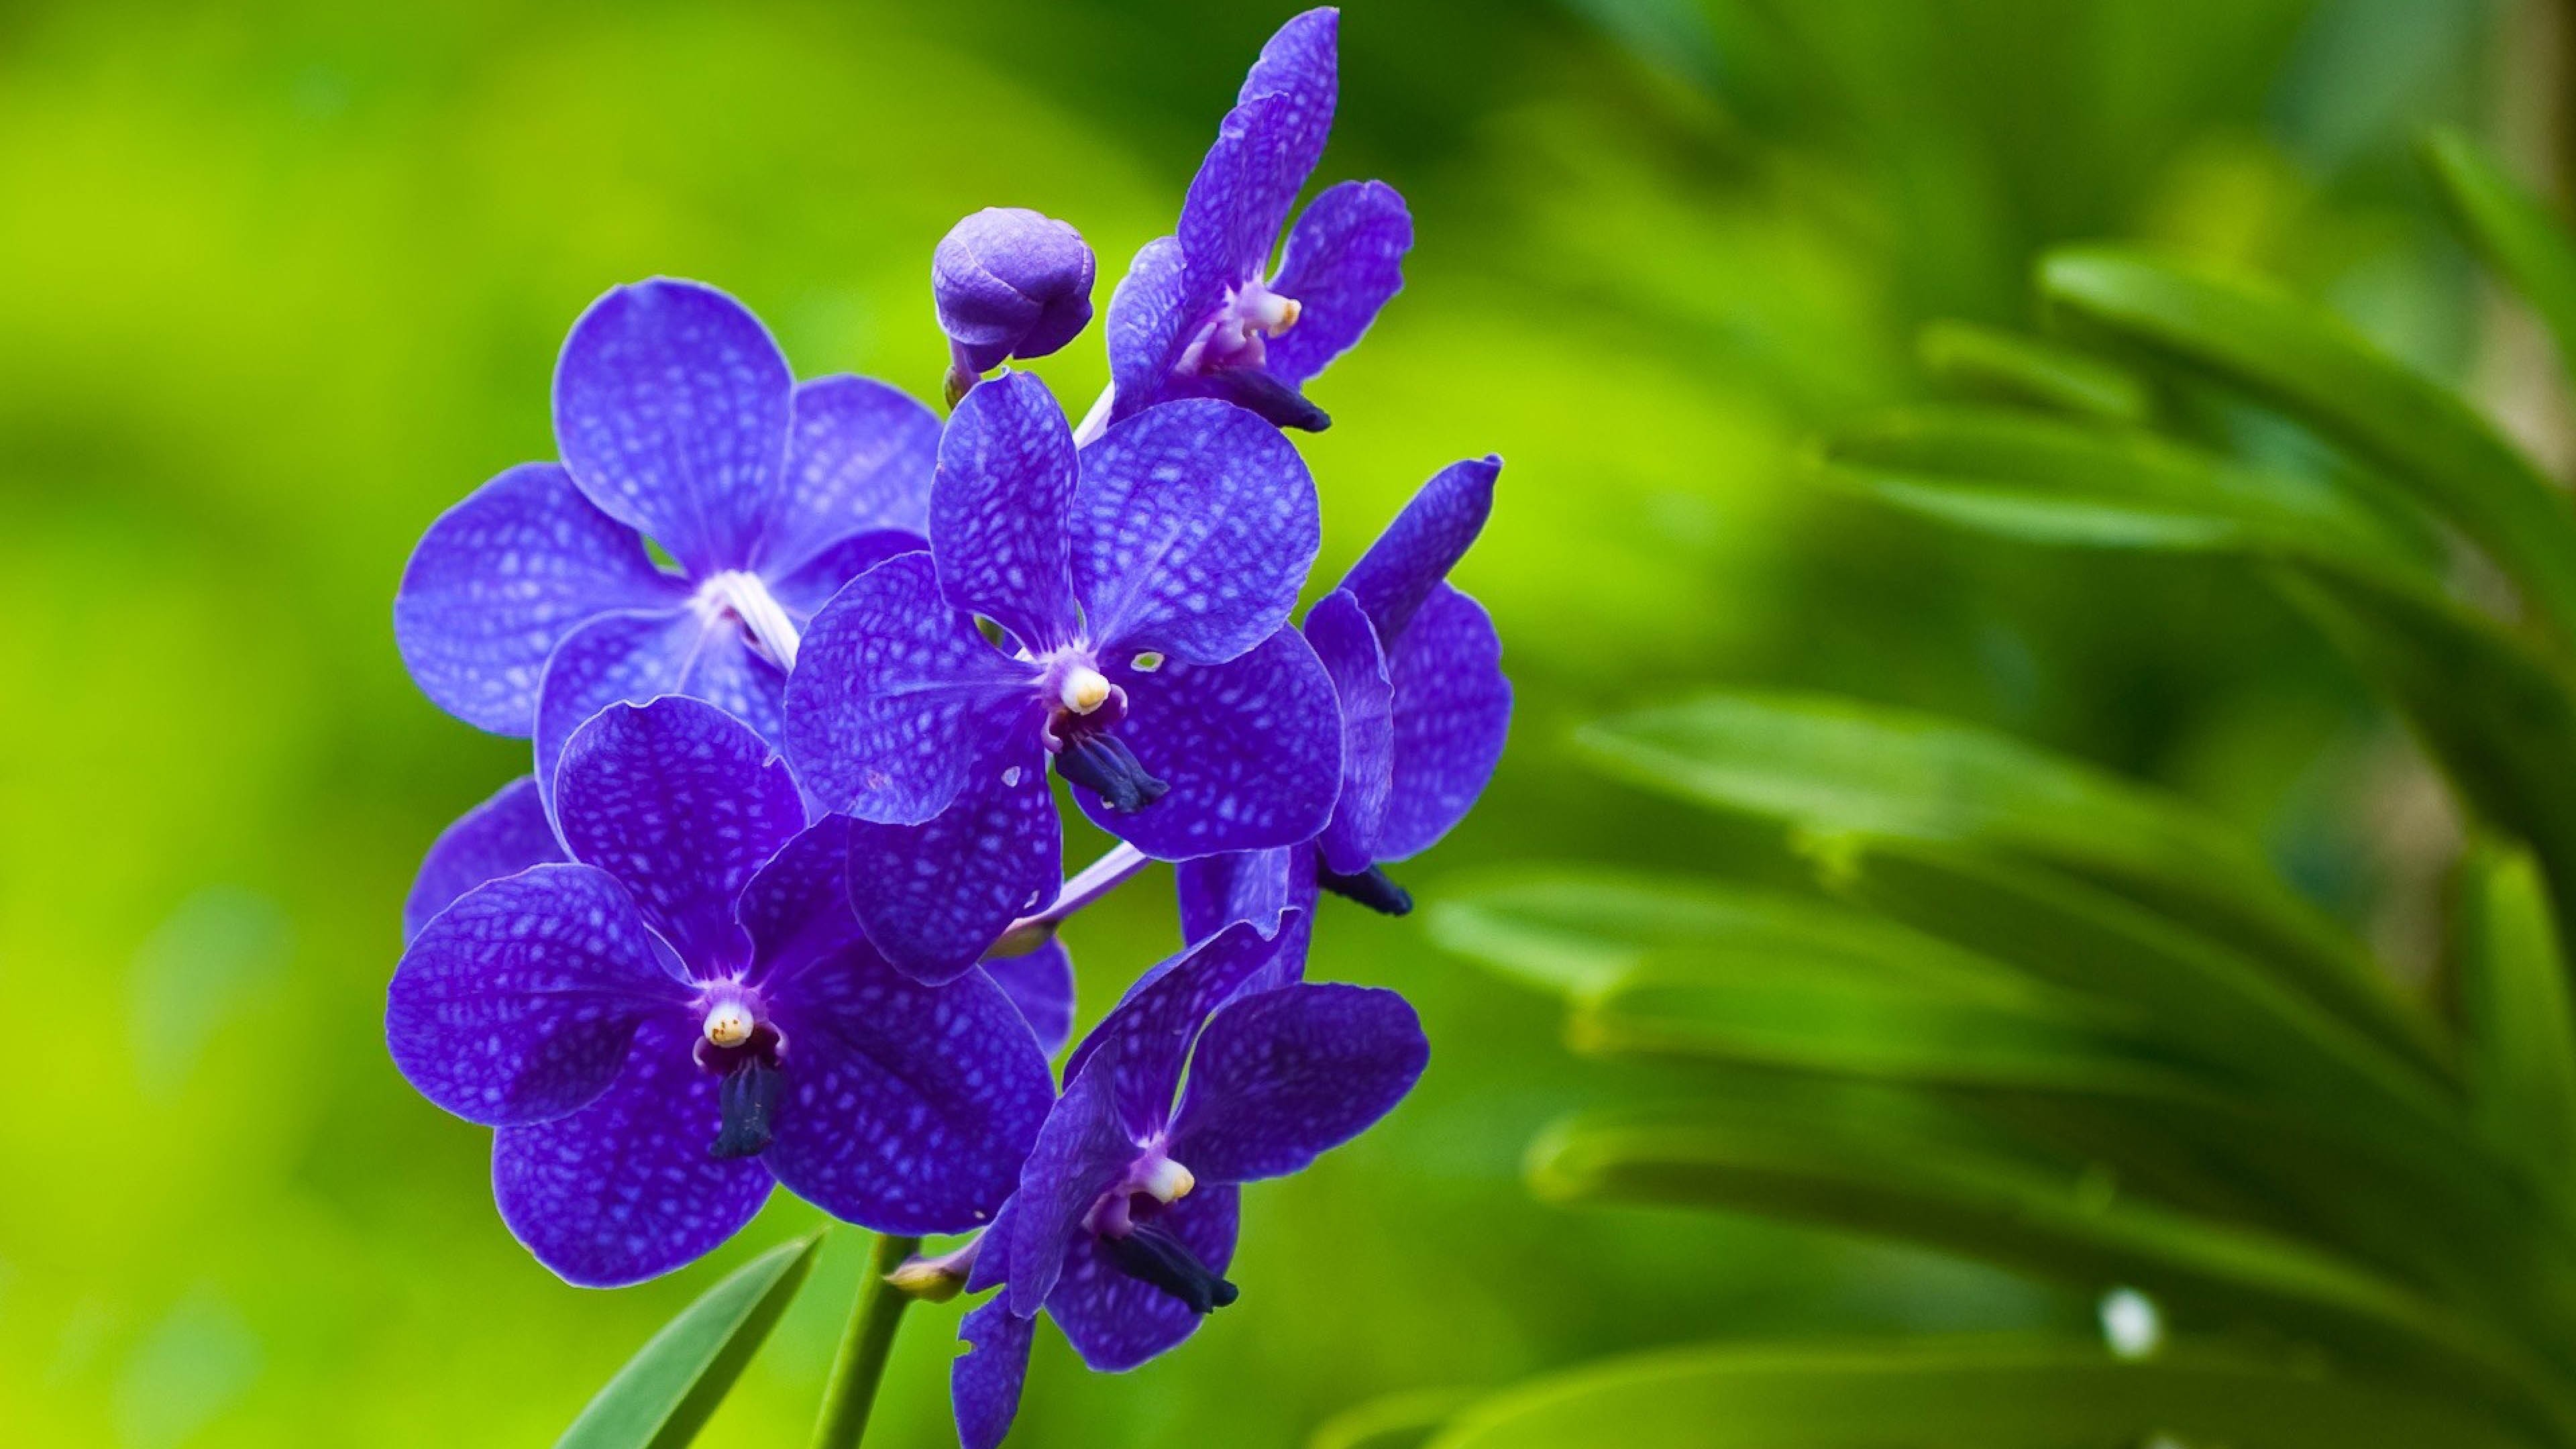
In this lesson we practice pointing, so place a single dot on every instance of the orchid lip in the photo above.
(738, 1044)
(1153, 1255)
(1371, 888)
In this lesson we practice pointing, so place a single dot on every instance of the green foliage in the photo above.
(667, 1392)
(1999, 1396)
(2511, 230)
(2044, 1017)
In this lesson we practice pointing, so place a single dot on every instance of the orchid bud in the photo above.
(1008, 283)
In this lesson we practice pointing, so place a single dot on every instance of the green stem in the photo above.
(861, 1362)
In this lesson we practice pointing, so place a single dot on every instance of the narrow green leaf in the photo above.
(1758, 1004)
(2521, 1036)
(2511, 229)
(672, 1385)
(2205, 1003)
(1937, 1394)
(2360, 1129)
(2496, 717)
(1850, 1172)
(2018, 368)
(2299, 359)
(1570, 930)
(1837, 767)
(2054, 482)
(1397, 1421)
(1722, 975)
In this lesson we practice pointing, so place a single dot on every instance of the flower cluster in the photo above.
(778, 901)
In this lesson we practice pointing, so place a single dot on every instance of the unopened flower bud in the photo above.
(936, 1279)
(1008, 283)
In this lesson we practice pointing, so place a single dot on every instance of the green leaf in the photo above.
(672, 1385)
(2299, 359)
(2496, 717)
(2014, 367)
(1836, 767)
(1397, 1421)
(1935, 1394)
(1570, 930)
(1853, 1172)
(1753, 979)
(1759, 1004)
(2512, 231)
(2349, 1130)
(2052, 482)
(2521, 1037)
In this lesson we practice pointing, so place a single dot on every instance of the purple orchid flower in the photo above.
(1425, 709)
(509, 833)
(533, 604)
(1008, 282)
(1200, 314)
(1138, 597)
(686, 1012)
(1124, 1221)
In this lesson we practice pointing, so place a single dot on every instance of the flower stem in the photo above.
(1096, 880)
(1096, 421)
(864, 1344)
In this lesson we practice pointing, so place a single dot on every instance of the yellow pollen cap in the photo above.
(1169, 1181)
(1084, 690)
(729, 1025)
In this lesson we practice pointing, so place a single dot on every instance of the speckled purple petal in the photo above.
(990, 1267)
(1079, 1154)
(859, 458)
(516, 1003)
(1345, 261)
(1298, 62)
(1215, 891)
(935, 896)
(896, 696)
(1256, 886)
(1153, 1026)
(1194, 524)
(500, 578)
(1117, 1322)
(1252, 750)
(1157, 306)
(1239, 197)
(1425, 540)
(997, 511)
(681, 802)
(1283, 1076)
(796, 907)
(1347, 644)
(984, 1383)
(502, 836)
(624, 1189)
(671, 410)
(907, 1108)
(814, 582)
(1453, 710)
(630, 658)
(1040, 984)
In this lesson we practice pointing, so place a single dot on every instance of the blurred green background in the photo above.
(285, 281)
